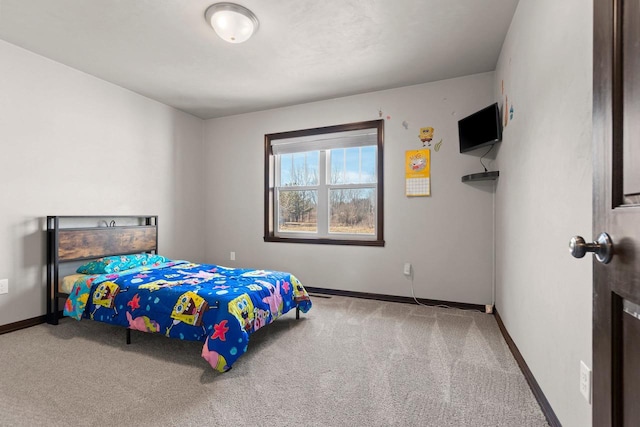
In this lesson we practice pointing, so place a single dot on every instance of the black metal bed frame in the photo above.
(107, 235)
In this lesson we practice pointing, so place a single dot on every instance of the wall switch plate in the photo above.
(407, 269)
(232, 256)
(585, 381)
(4, 286)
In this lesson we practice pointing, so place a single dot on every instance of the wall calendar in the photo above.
(418, 173)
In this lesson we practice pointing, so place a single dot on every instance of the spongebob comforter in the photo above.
(218, 305)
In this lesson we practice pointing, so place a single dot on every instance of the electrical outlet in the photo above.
(407, 269)
(585, 381)
(232, 256)
(4, 286)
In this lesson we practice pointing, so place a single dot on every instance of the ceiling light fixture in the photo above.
(233, 23)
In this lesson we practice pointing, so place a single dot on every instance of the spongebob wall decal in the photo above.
(426, 135)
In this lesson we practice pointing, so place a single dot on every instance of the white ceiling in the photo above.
(304, 50)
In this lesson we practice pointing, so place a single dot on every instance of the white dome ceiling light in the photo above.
(232, 23)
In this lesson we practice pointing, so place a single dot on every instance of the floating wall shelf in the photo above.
(483, 176)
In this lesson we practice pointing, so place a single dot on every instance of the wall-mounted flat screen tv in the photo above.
(480, 129)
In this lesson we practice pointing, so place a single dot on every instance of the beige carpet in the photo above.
(348, 362)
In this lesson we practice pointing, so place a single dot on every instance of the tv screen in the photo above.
(480, 129)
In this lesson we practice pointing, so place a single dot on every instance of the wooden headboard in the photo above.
(103, 237)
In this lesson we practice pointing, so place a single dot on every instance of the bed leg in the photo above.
(52, 318)
(128, 336)
(55, 316)
(297, 313)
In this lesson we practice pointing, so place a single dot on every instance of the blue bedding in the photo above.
(200, 302)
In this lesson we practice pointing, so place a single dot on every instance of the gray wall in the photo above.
(64, 136)
(447, 237)
(72, 144)
(544, 196)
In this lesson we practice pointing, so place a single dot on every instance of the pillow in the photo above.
(114, 264)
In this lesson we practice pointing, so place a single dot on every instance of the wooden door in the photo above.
(616, 209)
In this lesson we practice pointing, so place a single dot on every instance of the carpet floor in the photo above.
(348, 362)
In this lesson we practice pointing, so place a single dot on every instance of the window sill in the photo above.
(348, 242)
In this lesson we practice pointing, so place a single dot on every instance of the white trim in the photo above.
(348, 139)
(323, 205)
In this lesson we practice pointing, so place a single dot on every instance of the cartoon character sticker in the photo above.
(426, 135)
(506, 111)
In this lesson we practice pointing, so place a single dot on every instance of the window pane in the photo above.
(353, 211)
(368, 172)
(336, 173)
(352, 166)
(297, 211)
(299, 169)
(356, 165)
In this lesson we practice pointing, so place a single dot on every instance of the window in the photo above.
(325, 185)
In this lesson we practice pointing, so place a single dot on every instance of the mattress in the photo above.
(67, 282)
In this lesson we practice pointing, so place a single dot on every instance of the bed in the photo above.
(124, 281)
